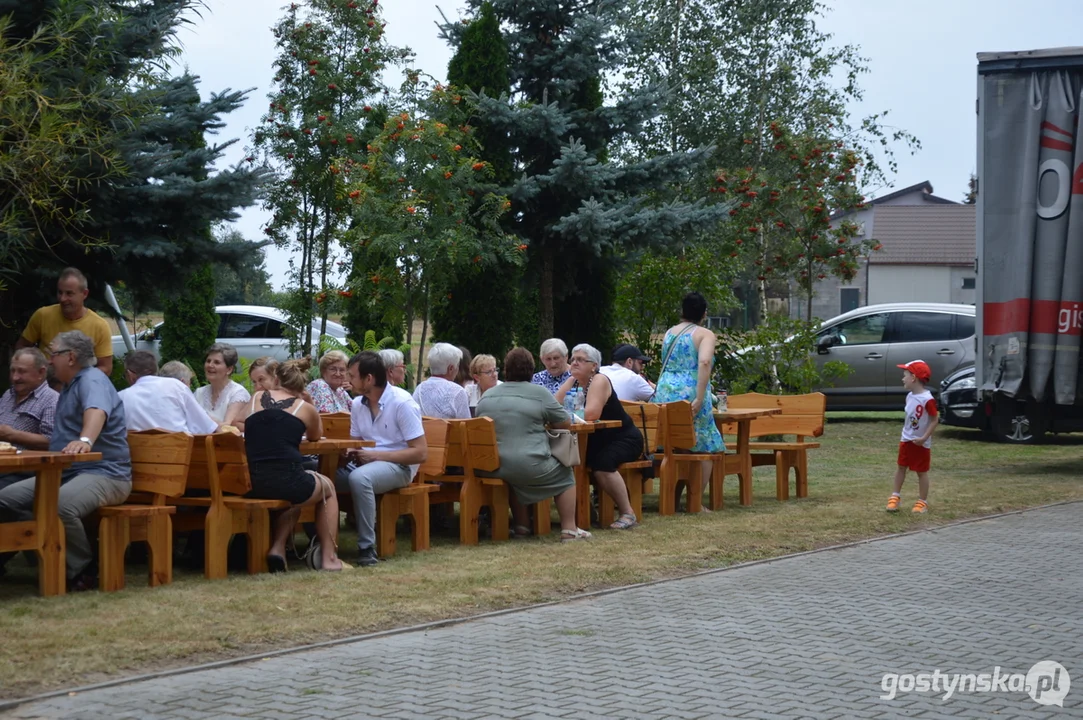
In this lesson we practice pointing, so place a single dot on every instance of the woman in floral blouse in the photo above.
(329, 391)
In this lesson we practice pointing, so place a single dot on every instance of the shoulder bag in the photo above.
(564, 446)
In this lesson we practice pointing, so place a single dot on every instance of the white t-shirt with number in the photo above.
(919, 408)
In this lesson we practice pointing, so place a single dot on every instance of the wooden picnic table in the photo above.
(742, 461)
(329, 450)
(44, 534)
(582, 477)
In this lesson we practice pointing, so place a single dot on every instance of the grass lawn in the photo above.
(89, 637)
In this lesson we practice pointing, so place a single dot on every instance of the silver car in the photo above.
(874, 339)
(254, 330)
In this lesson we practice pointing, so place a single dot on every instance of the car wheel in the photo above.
(1016, 423)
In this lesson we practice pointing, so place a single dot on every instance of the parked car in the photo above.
(958, 400)
(874, 339)
(254, 330)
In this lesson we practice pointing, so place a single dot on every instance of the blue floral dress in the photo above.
(678, 382)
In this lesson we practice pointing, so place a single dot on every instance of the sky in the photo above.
(921, 60)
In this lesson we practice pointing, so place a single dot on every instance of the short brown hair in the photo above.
(141, 363)
(518, 365)
(266, 362)
(293, 374)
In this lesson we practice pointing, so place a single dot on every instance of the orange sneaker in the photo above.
(893, 503)
(920, 507)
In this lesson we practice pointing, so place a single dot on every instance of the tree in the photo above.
(191, 324)
(245, 283)
(971, 196)
(481, 66)
(782, 223)
(426, 202)
(572, 205)
(324, 110)
(146, 223)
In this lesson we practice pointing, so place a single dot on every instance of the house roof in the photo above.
(924, 186)
(925, 234)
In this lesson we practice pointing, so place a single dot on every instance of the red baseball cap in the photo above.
(919, 369)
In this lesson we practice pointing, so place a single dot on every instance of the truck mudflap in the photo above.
(1032, 234)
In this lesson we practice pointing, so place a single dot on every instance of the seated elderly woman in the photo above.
(275, 421)
(521, 410)
(328, 392)
(89, 418)
(221, 397)
(395, 364)
(440, 396)
(483, 370)
(262, 373)
(609, 448)
(554, 356)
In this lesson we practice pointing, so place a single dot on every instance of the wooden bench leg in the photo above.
(543, 522)
(745, 488)
(782, 475)
(695, 489)
(387, 517)
(667, 487)
(499, 507)
(217, 529)
(606, 509)
(801, 466)
(259, 540)
(470, 499)
(160, 550)
(113, 540)
(634, 483)
(419, 517)
(715, 497)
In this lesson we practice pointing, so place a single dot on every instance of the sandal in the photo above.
(521, 531)
(577, 534)
(276, 564)
(624, 522)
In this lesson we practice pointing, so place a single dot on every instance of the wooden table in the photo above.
(44, 534)
(582, 477)
(329, 450)
(742, 458)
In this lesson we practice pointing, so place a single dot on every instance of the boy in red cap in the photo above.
(917, 433)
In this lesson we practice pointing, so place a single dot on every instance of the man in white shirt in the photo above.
(388, 416)
(160, 402)
(626, 374)
(440, 396)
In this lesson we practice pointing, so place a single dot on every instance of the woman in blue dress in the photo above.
(688, 352)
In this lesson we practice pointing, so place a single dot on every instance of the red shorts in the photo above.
(914, 457)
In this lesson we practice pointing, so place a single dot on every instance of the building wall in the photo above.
(959, 294)
(909, 283)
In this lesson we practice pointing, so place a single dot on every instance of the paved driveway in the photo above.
(806, 636)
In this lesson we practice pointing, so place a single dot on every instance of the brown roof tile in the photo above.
(925, 234)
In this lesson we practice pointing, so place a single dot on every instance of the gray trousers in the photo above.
(79, 497)
(365, 482)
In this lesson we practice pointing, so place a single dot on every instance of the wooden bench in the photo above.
(413, 500)
(678, 437)
(801, 416)
(336, 425)
(160, 463)
(220, 467)
(650, 417)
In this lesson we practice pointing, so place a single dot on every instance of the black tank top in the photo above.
(272, 434)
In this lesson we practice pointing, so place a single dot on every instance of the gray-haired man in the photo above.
(27, 408)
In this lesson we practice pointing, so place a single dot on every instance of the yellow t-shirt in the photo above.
(48, 322)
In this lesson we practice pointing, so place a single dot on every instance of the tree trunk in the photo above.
(324, 251)
(545, 296)
(424, 332)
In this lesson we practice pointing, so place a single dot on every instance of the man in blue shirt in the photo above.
(89, 418)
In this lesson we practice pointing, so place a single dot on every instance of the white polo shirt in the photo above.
(627, 384)
(397, 421)
(165, 403)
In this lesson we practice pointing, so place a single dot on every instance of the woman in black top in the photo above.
(606, 449)
(275, 422)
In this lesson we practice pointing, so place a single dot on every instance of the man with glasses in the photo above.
(89, 418)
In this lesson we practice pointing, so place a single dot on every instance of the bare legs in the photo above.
(566, 509)
(612, 484)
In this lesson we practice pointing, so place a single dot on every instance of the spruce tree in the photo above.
(480, 65)
(572, 204)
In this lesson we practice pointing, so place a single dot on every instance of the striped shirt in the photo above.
(35, 414)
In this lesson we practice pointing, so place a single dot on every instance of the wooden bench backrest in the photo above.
(679, 429)
(647, 416)
(802, 415)
(436, 437)
(160, 463)
(336, 426)
(472, 445)
(220, 465)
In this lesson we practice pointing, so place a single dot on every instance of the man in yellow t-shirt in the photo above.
(70, 314)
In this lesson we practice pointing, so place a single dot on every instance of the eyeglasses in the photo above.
(580, 360)
(54, 353)
(494, 371)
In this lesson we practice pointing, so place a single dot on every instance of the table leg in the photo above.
(744, 431)
(582, 486)
(51, 574)
(329, 465)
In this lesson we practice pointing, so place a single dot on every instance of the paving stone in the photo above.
(804, 637)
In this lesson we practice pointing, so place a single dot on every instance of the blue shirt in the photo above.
(91, 388)
(550, 383)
